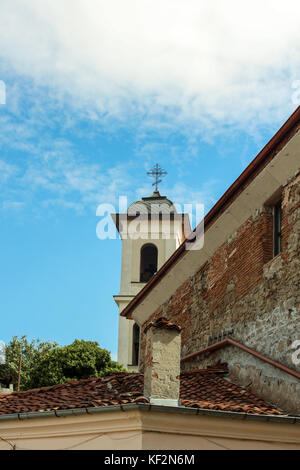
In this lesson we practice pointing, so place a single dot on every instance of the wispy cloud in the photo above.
(72, 183)
(6, 171)
(195, 69)
(12, 205)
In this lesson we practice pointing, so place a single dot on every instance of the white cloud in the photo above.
(76, 207)
(195, 67)
(6, 171)
(13, 205)
(62, 177)
(211, 63)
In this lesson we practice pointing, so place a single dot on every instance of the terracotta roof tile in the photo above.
(204, 389)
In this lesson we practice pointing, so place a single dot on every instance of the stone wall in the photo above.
(162, 364)
(262, 379)
(242, 290)
(5, 390)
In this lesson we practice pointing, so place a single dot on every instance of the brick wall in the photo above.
(243, 290)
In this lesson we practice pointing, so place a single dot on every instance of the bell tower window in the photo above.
(148, 266)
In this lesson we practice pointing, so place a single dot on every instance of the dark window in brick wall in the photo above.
(135, 344)
(277, 224)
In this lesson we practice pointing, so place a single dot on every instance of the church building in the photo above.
(209, 333)
(237, 299)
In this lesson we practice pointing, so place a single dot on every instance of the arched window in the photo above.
(148, 265)
(135, 344)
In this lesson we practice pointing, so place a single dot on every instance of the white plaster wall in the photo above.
(146, 430)
(130, 274)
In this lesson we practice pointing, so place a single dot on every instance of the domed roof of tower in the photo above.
(155, 204)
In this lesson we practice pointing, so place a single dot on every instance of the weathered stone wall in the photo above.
(242, 290)
(264, 380)
(162, 364)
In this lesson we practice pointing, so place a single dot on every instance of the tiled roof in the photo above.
(206, 390)
(198, 389)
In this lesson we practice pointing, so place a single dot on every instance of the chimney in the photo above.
(162, 362)
(6, 384)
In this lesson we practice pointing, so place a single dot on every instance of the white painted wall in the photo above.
(130, 272)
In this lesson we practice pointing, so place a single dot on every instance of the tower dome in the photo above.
(155, 204)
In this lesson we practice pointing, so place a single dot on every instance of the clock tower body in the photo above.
(151, 231)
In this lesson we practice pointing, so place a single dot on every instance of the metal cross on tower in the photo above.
(156, 173)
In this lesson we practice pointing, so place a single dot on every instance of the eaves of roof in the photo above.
(149, 408)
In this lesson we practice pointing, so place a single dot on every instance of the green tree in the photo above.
(45, 364)
(30, 351)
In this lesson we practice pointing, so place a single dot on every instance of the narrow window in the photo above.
(277, 224)
(135, 344)
(148, 266)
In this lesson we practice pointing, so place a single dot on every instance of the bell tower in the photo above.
(151, 230)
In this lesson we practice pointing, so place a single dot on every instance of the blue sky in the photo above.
(96, 94)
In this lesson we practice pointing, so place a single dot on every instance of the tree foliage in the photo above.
(45, 363)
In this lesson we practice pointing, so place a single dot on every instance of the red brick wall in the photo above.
(241, 288)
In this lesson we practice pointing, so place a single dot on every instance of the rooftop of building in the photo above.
(205, 389)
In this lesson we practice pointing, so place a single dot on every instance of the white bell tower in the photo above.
(151, 231)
